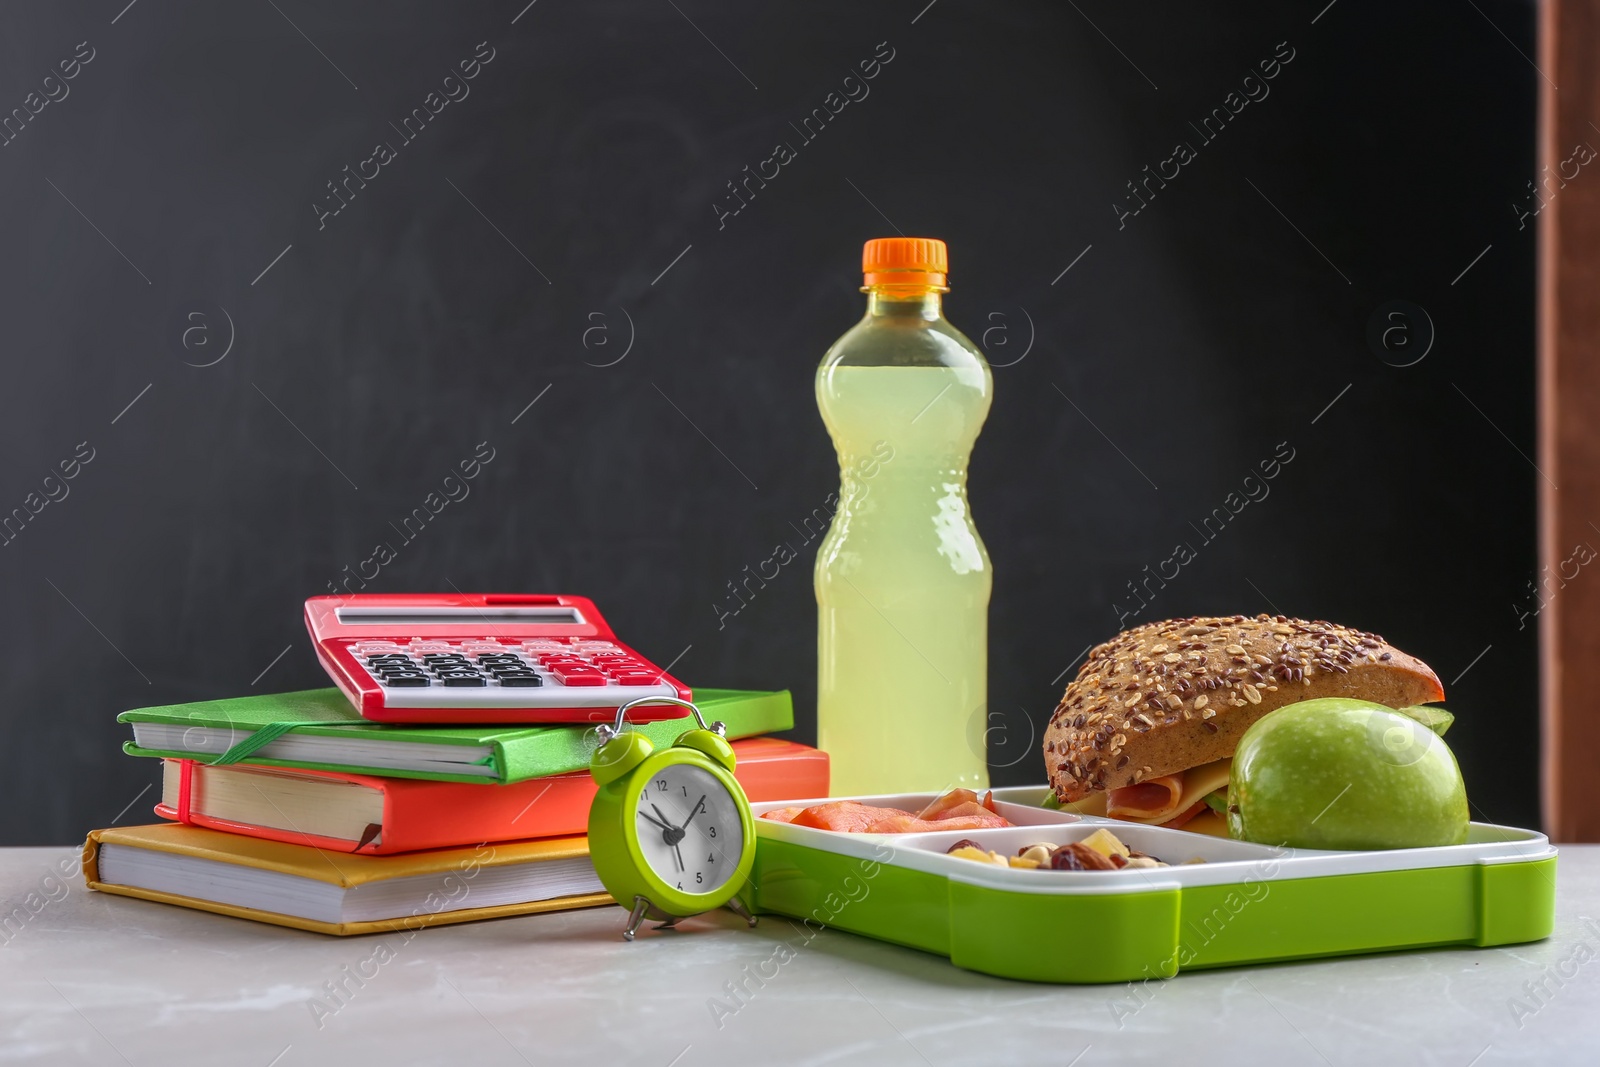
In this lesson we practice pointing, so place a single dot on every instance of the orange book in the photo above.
(370, 815)
(292, 885)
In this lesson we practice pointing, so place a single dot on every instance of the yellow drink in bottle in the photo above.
(902, 578)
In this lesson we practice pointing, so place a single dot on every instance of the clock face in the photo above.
(689, 828)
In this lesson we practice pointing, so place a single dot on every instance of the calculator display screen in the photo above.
(460, 616)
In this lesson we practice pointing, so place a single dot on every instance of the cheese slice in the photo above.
(1093, 804)
(1207, 822)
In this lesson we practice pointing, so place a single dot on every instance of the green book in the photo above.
(330, 736)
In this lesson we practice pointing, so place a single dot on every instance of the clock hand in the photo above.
(664, 820)
(679, 852)
(697, 809)
(655, 820)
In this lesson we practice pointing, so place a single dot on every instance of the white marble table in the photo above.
(92, 978)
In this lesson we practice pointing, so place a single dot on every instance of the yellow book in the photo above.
(337, 893)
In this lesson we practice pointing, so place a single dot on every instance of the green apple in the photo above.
(1336, 773)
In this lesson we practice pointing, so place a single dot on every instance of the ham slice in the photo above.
(845, 816)
(1153, 800)
(960, 809)
(910, 824)
(1159, 805)
(959, 802)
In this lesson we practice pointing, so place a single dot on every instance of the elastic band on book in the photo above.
(263, 736)
(185, 785)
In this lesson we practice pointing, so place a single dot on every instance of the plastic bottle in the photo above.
(902, 578)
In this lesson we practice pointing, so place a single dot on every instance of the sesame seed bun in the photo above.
(1167, 696)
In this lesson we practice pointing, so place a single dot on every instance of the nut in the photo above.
(1039, 854)
(1079, 857)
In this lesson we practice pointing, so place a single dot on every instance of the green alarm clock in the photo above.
(670, 832)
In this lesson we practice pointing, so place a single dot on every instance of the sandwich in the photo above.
(1147, 730)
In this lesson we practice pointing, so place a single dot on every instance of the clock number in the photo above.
(661, 785)
(698, 880)
(685, 790)
(711, 859)
(680, 885)
(712, 830)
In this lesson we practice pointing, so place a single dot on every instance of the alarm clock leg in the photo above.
(641, 905)
(736, 906)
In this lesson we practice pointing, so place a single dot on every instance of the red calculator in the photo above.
(483, 658)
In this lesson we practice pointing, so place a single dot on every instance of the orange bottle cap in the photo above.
(920, 261)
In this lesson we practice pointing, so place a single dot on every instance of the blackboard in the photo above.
(273, 270)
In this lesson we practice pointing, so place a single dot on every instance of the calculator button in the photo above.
(635, 679)
(581, 679)
(525, 681)
(462, 680)
(396, 680)
(574, 670)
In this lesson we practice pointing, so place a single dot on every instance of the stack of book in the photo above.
(344, 826)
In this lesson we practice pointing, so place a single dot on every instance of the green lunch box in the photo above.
(1246, 903)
